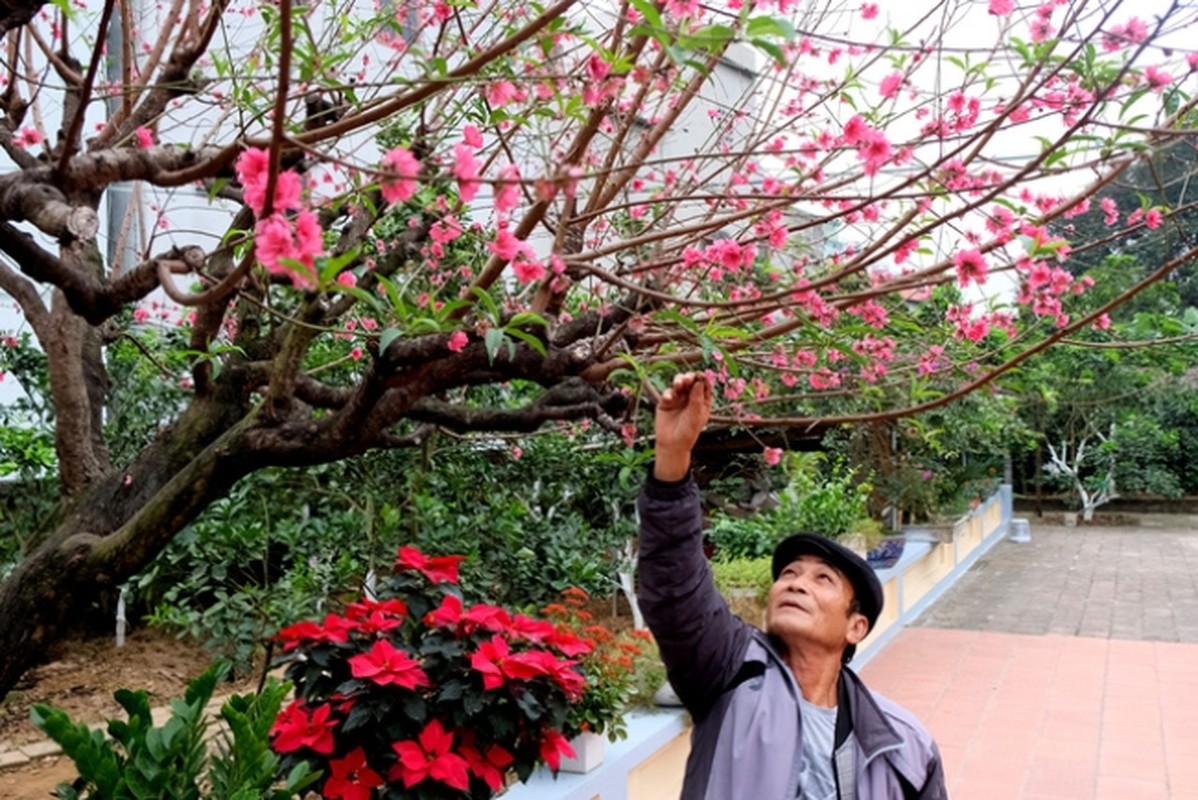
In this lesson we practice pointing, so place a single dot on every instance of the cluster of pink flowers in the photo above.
(873, 147)
(1128, 33)
(26, 137)
(286, 243)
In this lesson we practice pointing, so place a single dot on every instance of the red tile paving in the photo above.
(1050, 717)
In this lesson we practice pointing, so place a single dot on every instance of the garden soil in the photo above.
(80, 678)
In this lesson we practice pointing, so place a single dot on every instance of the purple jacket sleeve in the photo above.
(702, 642)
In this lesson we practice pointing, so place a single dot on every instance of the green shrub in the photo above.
(284, 541)
(829, 501)
(743, 573)
(177, 760)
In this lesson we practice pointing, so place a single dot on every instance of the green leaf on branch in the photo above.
(1024, 51)
(527, 338)
(527, 318)
(398, 306)
(333, 265)
(1172, 101)
(709, 37)
(368, 298)
(215, 188)
(387, 337)
(488, 302)
(646, 10)
(770, 27)
(494, 339)
(772, 50)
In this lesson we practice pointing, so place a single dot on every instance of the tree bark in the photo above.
(79, 463)
(114, 528)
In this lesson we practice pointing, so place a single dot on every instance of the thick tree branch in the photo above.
(321, 395)
(15, 13)
(574, 399)
(27, 297)
(43, 205)
(91, 297)
(416, 438)
(93, 171)
(36, 195)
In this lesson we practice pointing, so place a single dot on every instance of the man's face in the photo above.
(809, 607)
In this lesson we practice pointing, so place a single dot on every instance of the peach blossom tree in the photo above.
(355, 223)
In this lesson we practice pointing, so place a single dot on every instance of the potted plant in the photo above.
(419, 695)
(612, 668)
(828, 499)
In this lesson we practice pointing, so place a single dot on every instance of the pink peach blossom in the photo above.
(402, 169)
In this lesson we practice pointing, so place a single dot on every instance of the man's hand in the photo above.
(682, 412)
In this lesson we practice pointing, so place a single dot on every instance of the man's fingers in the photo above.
(685, 387)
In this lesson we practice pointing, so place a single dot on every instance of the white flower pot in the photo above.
(588, 748)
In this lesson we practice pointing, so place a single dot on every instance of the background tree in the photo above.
(1163, 179)
(483, 218)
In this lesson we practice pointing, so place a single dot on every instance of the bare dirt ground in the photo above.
(80, 678)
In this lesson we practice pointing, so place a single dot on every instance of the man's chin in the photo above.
(785, 627)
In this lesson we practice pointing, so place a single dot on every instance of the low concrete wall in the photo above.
(649, 764)
(928, 569)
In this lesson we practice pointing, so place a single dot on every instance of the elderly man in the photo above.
(777, 714)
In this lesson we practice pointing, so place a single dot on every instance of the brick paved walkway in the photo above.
(1062, 669)
(1125, 583)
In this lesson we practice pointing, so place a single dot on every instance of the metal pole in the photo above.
(119, 195)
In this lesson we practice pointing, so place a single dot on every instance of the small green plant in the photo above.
(140, 761)
(613, 668)
(829, 501)
(743, 573)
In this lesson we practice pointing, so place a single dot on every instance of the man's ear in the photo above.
(858, 628)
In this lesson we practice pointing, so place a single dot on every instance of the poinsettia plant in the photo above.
(416, 694)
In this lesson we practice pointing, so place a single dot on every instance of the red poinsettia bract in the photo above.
(437, 569)
(488, 661)
(446, 615)
(298, 726)
(333, 629)
(430, 757)
(497, 664)
(351, 778)
(388, 666)
(489, 766)
(553, 747)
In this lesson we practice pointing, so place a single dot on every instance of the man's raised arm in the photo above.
(701, 642)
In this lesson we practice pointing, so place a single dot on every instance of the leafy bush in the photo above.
(139, 761)
(743, 573)
(830, 502)
(247, 567)
(616, 668)
(552, 518)
(283, 542)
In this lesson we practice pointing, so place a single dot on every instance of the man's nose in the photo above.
(798, 583)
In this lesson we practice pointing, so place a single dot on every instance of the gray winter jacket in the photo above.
(742, 696)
